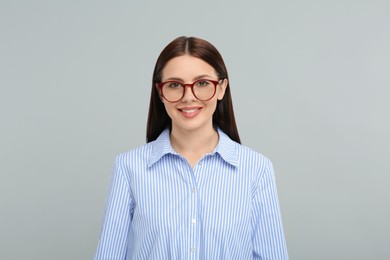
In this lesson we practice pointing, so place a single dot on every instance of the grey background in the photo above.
(310, 82)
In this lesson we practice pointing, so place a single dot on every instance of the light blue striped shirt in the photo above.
(158, 207)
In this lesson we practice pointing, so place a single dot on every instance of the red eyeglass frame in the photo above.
(191, 85)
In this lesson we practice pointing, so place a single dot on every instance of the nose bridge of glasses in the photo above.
(188, 85)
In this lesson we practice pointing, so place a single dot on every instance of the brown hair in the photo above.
(223, 117)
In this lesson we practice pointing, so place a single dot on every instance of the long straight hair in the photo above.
(223, 117)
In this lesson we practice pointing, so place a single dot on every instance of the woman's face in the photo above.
(189, 113)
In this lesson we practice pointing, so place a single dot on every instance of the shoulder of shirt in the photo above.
(248, 153)
(244, 154)
(141, 152)
(252, 161)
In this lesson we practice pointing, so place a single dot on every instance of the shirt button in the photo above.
(193, 190)
(193, 250)
(193, 221)
(200, 163)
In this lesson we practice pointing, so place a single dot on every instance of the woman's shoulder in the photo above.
(247, 153)
(243, 154)
(149, 152)
(138, 153)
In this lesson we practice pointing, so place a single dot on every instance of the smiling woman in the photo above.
(191, 115)
(193, 191)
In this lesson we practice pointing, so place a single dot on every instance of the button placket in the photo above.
(192, 221)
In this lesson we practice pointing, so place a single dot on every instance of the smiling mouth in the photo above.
(189, 111)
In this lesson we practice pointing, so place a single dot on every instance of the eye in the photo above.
(174, 85)
(202, 83)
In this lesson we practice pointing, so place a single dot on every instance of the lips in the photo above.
(190, 112)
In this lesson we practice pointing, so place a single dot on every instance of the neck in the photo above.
(193, 145)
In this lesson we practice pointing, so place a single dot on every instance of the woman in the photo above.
(193, 191)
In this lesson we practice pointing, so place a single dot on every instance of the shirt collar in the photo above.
(161, 147)
(226, 148)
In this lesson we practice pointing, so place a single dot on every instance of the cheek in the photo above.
(212, 105)
(168, 107)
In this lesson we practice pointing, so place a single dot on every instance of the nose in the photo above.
(188, 95)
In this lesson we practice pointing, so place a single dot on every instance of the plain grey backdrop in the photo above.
(310, 84)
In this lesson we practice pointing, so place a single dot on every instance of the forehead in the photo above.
(187, 67)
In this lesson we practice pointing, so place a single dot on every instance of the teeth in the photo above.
(189, 111)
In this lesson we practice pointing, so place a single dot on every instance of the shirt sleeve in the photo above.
(114, 235)
(268, 236)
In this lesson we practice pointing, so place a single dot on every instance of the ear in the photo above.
(159, 93)
(221, 89)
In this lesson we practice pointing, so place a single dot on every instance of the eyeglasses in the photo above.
(203, 89)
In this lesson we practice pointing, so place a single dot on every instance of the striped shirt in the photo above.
(159, 207)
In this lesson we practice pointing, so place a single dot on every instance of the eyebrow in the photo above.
(195, 79)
